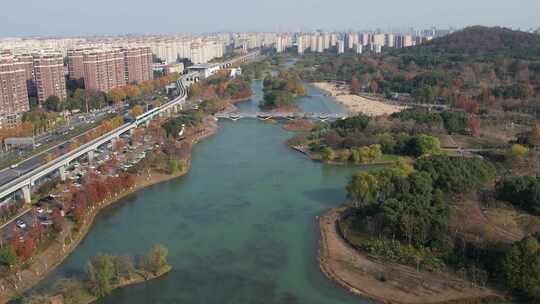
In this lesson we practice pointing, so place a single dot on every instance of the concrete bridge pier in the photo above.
(62, 172)
(26, 194)
(90, 155)
(114, 142)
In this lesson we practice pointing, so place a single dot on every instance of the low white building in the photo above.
(206, 70)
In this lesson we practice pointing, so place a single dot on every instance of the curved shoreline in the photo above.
(38, 269)
(352, 270)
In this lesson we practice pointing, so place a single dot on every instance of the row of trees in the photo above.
(453, 122)
(95, 190)
(220, 87)
(133, 91)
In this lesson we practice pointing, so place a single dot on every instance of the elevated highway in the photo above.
(26, 179)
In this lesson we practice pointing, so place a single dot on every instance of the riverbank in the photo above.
(57, 252)
(355, 104)
(304, 149)
(386, 282)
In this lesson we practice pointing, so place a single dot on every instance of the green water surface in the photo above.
(240, 227)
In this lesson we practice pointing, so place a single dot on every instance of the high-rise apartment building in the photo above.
(333, 39)
(138, 62)
(75, 64)
(26, 62)
(313, 43)
(352, 40)
(341, 46)
(390, 40)
(378, 39)
(49, 75)
(364, 39)
(104, 70)
(13, 92)
(320, 44)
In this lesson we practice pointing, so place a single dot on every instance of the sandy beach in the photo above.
(357, 104)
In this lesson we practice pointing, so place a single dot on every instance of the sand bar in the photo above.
(355, 104)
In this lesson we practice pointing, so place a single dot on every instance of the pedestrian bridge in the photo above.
(282, 115)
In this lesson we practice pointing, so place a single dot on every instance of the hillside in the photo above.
(480, 40)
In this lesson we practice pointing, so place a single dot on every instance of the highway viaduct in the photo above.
(25, 181)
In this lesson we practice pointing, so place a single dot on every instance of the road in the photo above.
(10, 173)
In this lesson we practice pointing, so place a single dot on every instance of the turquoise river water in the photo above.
(240, 227)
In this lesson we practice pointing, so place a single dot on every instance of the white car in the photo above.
(20, 223)
(40, 209)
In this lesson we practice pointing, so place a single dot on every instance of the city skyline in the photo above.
(69, 18)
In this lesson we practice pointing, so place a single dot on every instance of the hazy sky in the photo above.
(74, 17)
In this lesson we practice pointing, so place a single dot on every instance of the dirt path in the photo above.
(387, 282)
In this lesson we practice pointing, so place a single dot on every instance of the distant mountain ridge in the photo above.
(479, 40)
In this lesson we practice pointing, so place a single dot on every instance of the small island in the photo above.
(281, 91)
(105, 273)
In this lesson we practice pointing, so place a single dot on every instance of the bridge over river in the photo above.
(282, 115)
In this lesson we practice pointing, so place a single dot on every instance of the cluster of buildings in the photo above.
(340, 42)
(105, 69)
(39, 74)
(42, 74)
(38, 67)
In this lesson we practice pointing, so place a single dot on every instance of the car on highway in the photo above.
(20, 223)
(14, 166)
(46, 222)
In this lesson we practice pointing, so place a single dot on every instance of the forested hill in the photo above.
(480, 40)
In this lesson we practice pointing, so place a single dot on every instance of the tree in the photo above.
(521, 191)
(72, 290)
(52, 103)
(116, 95)
(100, 271)
(8, 256)
(36, 299)
(363, 188)
(474, 125)
(533, 138)
(355, 85)
(123, 267)
(517, 152)
(27, 248)
(424, 144)
(328, 154)
(155, 260)
(137, 110)
(521, 268)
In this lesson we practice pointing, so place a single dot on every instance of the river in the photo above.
(240, 227)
